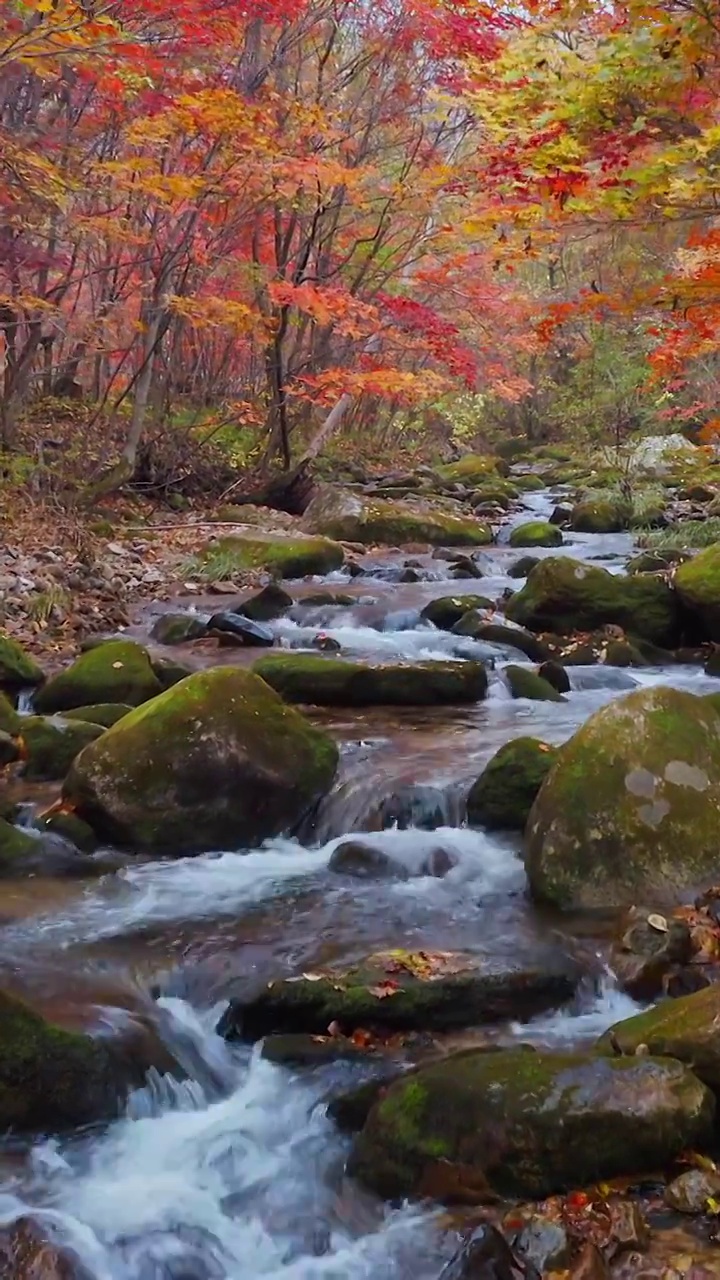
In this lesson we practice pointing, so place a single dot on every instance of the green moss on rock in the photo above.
(697, 583)
(352, 517)
(479, 628)
(118, 671)
(536, 533)
(471, 470)
(448, 610)
(50, 745)
(629, 810)
(178, 628)
(17, 669)
(218, 761)
(282, 557)
(503, 795)
(602, 516)
(687, 1029)
(562, 595)
(104, 713)
(15, 847)
(9, 718)
(332, 682)
(530, 1124)
(528, 684)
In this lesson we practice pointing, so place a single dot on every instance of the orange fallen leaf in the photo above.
(384, 989)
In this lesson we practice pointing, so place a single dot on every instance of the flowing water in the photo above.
(236, 1171)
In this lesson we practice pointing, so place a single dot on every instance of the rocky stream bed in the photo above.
(295, 999)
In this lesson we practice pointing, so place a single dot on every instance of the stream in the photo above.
(237, 1172)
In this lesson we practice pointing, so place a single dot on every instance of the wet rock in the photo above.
(352, 517)
(325, 644)
(656, 561)
(687, 1028)
(310, 1051)
(27, 1253)
(628, 1228)
(51, 1078)
(629, 810)
(544, 1243)
(556, 675)
(50, 745)
(488, 1256)
(601, 516)
(283, 557)
(691, 1192)
(536, 533)
(465, 567)
(564, 596)
(9, 749)
(331, 682)
(644, 956)
(270, 603)
(169, 673)
(697, 583)
(404, 991)
(327, 599)
(178, 628)
(9, 718)
(103, 713)
(216, 762)
(425, 807)
(473, 469)
(245, 629)
(561, 514)
(522, 567)
(477, 627)
(448, 610)
(527, 684)
(70, 828)
(117, 671)
(531, 1123)
(24, 853)
(503, 795)
(589, 1264)
(17, 669)
(367, 861)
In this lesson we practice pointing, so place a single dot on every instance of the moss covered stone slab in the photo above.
(332, 682)
(536, 533)
(448, 610)
(530, 1124)
(562, 595)
(687, 1029)
(17, 669)
(404, 990)
(629, 811)
(352, 517)
(697, 583)
(118, 671)
(503, 795)
(218, 761)
(528, 684)
(51, 1078)
(50, 745)
(282, 557)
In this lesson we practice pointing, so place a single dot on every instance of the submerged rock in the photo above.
(17, 669)
(353, 517)
(528, 684)
(522, 567)
(478, 627)
(530, 1124)
(536, 533)
(216, 762)
(448, 610)
(629, 810)
(415, 991)
(28, 1253)
(367, 861)
(332, 682)
(117, 671)
(563, 596)
(503, 795)
(687, 1028)
(488, 1256)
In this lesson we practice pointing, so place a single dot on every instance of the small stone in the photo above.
(691, 1191)
(544, 1243)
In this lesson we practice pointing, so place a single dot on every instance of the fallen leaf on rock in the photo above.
(658, 923)
(361, 1038)
(311, 977)
(334, 1030)
(384, 989)
(117, 665)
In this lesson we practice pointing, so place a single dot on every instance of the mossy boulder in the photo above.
(16, 848)
(283, 557)
(104, 713)
(472, 470)
(178, 628)
(562, 595)
(70, 827)
(629, 810)
(218, 761)
(528, 684)
(600, 516)
(519, 1123)
(352, 517)
(9, 718)
(522, 567)
(118, 671)
(502, 797)
(697, 583)
(536, 533)
(17, 669)
(529, 482)
(403, 990)
(50, 1078)
(50, 745)
(332, 682)
(687, 1029)
(477, 627)
(448, 610)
